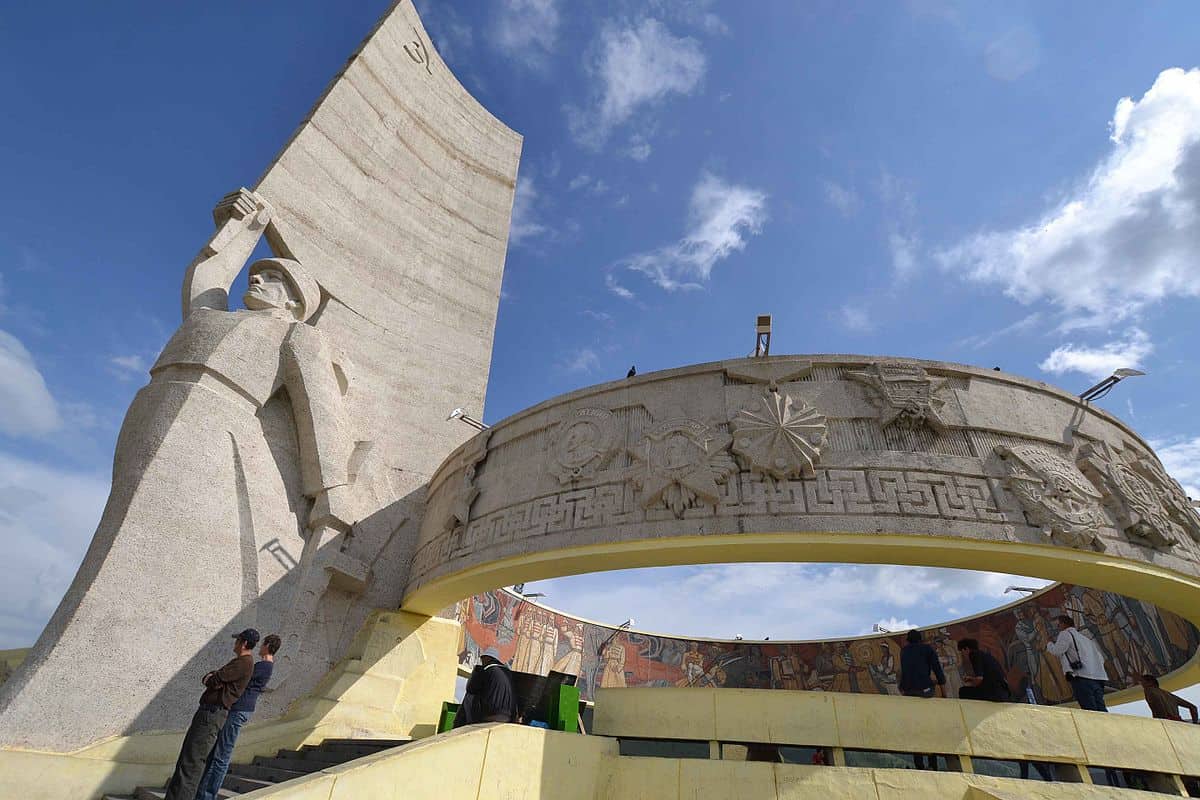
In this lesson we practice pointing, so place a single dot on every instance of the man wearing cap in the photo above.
(489, 695)
(222, 689)
(239, 714)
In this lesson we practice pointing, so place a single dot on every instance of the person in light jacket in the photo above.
(1082, 661)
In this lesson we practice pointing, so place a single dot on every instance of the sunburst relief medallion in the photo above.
(781, 437)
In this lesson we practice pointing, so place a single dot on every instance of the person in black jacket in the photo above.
(919, 666)
(489, 695)
(987, 680)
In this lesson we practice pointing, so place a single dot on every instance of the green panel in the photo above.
(446, 719)
(564, 709)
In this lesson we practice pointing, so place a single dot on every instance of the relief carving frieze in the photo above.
(466, 492)
(1054, 495)
(1147, 503)
(780, 437)
(905, 394)
(770, 373)
(582, 444)
(680, 464)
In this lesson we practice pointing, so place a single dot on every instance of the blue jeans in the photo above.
(218, 759)
(1089, 693)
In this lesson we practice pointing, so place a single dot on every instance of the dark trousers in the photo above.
(980, 693)
(1089, 693)
(197, 744)
(218, 760)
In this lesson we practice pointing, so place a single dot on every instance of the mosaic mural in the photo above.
(1136, 637)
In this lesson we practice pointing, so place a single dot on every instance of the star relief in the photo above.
(781, 437)
(681, 463)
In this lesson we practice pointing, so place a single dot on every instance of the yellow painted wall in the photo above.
(400, 669)
(509, 762)
(900, 724)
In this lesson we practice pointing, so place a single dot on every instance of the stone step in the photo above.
(259, 772)
(302, 765)
(285, 765)
(379, 744)
(347, 750)
(329, 757)
(238, 784)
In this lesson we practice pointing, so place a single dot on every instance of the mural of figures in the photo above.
(1136, 637)
(612, 673)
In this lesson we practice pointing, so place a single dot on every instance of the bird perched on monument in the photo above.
(631, 373)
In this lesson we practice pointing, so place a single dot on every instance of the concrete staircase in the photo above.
(285, 765)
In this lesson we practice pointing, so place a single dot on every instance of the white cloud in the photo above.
(1013, 54)
(128, 367)
(527, 30)
(47, 517)
(636, 66)
(1182, 462)
(843, 199)
(582, 360)
(720, 216)
(904, 253)
(1099, 362)
(26, 405)
(639, 149)
(525, 224)
(892, 624)
(776, 600)
(899, 215)
(855, 318)
(1021, 326)
(1125, 237)
(585, 181)
(617, 289)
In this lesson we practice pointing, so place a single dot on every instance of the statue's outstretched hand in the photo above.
(243, 205)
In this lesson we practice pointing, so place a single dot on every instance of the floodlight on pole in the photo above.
(1021, 589)
(762, 334)
(1105, 386)
(461, 414)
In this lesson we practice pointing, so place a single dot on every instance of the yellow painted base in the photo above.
(508, 761)
(400, 668)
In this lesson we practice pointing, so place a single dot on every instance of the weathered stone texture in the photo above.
(394, 195)
(857, 455)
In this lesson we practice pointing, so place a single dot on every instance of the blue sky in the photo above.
(1012, 186)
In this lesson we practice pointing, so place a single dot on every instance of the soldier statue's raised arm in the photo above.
(231, 489)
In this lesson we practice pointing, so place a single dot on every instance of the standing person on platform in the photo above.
(222, 689)
(1163, 704)
(919, 666)
(987, 680)
(239, 715)
(489, 696)
(1083, 663)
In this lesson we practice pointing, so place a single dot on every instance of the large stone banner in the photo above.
(271, 472)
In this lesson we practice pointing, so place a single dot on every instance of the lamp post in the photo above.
(461, 414)
(1105, 386)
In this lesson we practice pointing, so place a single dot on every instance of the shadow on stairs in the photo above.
(285, 765)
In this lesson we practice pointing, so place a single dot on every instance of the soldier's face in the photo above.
(268, 289)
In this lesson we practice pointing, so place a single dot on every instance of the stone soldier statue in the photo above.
(230, 495)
